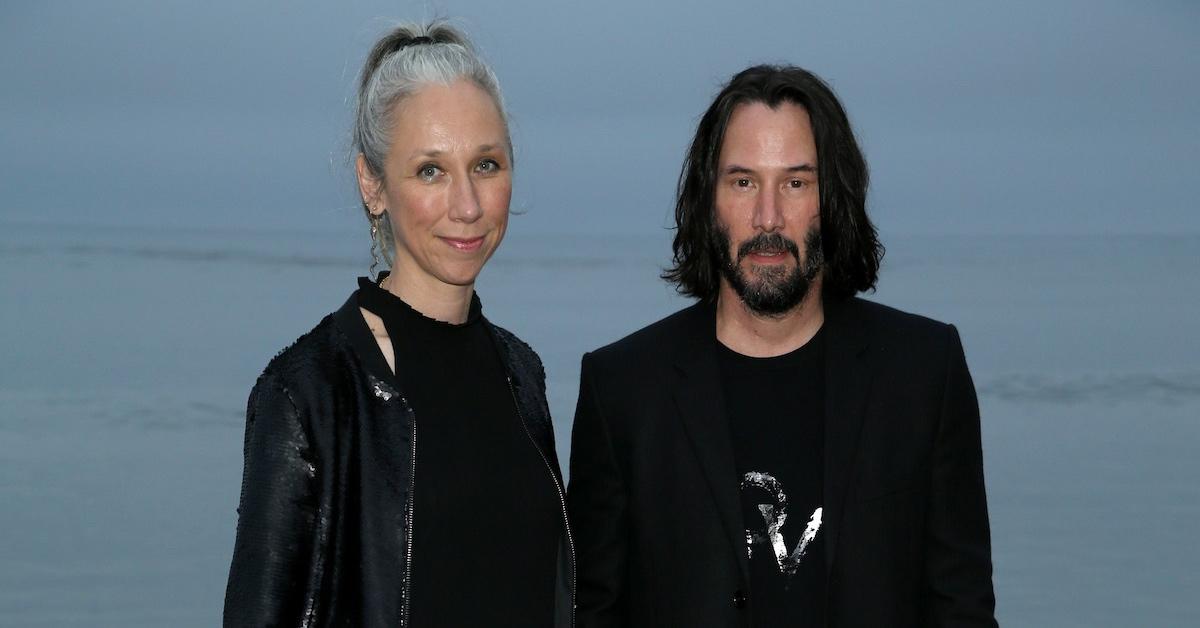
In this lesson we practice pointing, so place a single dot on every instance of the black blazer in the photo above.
(322, 535)
(654, 500)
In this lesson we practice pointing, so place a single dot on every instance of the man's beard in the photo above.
(773, 290)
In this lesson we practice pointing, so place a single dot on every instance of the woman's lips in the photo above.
(463, 244)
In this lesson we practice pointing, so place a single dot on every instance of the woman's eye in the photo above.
(428, 171)
(742, 183)
(796, 183)
(487, 166)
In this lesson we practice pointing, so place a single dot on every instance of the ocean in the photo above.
(129, 352)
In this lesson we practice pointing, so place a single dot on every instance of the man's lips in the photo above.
(463, 244)
(768, 249)
(768, 257)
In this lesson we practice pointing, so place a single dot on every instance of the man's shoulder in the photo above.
(893, 329)
(888, 319)
(882, 324)
(656, 340)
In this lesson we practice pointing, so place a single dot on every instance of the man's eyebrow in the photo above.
(736, 169)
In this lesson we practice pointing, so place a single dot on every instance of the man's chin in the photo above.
(773, 295)
(768, 275)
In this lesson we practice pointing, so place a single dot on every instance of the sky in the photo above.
(975, 117)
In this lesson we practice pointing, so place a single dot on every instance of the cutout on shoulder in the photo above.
(379, 332)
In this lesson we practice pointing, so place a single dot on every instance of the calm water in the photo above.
(127, 356)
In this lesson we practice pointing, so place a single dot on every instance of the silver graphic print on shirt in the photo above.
(774, 514)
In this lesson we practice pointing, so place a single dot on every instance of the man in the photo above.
(781, 453)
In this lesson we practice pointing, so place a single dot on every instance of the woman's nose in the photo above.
(464, 201)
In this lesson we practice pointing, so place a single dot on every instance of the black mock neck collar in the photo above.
(393, 309)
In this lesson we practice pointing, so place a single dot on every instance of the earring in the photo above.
(376, 246)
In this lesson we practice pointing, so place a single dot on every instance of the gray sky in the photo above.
(976, 117)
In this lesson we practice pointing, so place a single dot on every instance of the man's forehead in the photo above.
(781, 135)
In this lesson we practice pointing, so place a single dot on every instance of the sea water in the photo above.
(128, 354)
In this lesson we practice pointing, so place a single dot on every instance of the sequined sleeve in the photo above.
(269, 579)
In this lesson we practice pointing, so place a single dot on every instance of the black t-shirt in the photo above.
(776, 409)
(486, 515)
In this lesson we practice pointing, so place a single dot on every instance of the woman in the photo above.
(399, 459)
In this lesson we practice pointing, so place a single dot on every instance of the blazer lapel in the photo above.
(847, 384)
(701, 404)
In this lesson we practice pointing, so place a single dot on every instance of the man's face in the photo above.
(768, 234)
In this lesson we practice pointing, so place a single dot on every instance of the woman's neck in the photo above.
(432, 298)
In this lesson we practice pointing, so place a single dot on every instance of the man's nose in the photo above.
(768, 212)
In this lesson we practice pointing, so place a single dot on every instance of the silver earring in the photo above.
(376, 247)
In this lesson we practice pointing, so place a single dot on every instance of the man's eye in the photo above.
(797, 183)
(742, 183)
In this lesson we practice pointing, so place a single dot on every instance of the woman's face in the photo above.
(446, 185)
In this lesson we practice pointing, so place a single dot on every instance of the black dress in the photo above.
(475, 464)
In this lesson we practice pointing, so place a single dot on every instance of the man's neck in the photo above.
(761, 336)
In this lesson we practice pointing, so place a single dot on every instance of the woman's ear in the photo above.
(369, 186)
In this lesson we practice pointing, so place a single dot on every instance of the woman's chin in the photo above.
(463, 277)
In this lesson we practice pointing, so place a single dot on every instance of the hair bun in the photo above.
(401, 40)
(409, 36)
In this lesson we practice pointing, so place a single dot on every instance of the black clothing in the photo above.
(777, 427)
(474, 463)
(323, 534)
(654, 497)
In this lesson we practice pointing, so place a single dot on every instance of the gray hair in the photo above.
(407, 58)
(404, 60)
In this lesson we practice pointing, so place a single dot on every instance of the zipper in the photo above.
(412, 484)
(408, 523)
(562, 498)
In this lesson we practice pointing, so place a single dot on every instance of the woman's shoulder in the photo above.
(519, 355)
(313, 363)
(306, 353)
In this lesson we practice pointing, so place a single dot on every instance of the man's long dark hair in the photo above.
(849, 241)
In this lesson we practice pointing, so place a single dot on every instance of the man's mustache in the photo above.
(768, 243)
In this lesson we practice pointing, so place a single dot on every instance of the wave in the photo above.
(211, 255)
(1164, 388)
(48, 411)
(260, 258)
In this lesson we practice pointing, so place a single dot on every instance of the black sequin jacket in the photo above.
(324, 515)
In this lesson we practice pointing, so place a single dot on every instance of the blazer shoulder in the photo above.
(878, 310)
(651, 342)
(898, 329)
